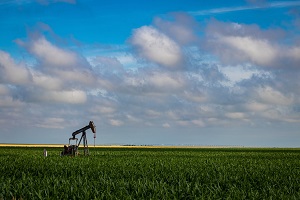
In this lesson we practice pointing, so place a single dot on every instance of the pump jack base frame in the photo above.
(73, 149)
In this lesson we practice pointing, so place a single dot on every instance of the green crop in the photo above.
(144, 173)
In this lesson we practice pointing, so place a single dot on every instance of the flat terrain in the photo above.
(113, 146)
(150, 173)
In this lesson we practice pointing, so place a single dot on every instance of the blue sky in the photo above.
(151, 72)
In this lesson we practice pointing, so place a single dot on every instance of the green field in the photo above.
(150, 173)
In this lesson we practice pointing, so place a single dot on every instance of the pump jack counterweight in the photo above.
(72, 149)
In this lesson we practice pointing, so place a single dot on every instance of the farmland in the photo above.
(150, 173)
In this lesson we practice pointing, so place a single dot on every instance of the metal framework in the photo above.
(85, 143)
(73, 149)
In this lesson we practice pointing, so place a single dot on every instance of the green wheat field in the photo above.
(150, 173)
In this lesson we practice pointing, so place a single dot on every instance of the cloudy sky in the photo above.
(151, 72)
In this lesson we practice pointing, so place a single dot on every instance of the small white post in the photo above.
(45, 153)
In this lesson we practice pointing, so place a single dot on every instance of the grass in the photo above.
(150, 173)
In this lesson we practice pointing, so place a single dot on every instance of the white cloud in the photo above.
(57, 67)
(8, 101)
(294, 53)
(156, 46)
(235, 115)
(133, 119)
(256, 106)
(39, 85)
(105, 109)
(165, 81)
(183, 123)
(51, 54)
(166, 125)
(181, 28)
(71, 96)
(257, 51)
(153, 113)
(195, 96)
(114, 93)
(271, 96)
(134, 81)
(198, 122)
(53, 122)
(237, 43)
(46, 82)
(12, 72)
(79, 76)
(3, 90)
(115, 122)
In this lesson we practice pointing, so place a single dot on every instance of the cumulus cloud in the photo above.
(182, 28)
(256, 106)
(115, 122)
(3, 89)
(51, 54)
(12, 72)
(195, 96)
(45, 81)
(104, 110)
(271, 96)
(8, 101)
(64, 96)
(166, 125)
(156, 47)
(104, 107)
(294, 53)
(74, 77)
(53, 122)
(59, 76)
(198, 122)
(237, 43)
(235, 115)
(65, 84)
(165, 81)
(259, 52)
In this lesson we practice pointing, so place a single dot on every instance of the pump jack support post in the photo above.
(85, 143)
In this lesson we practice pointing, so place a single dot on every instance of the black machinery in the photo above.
(72, 149)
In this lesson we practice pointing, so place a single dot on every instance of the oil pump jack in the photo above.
(72, 149)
